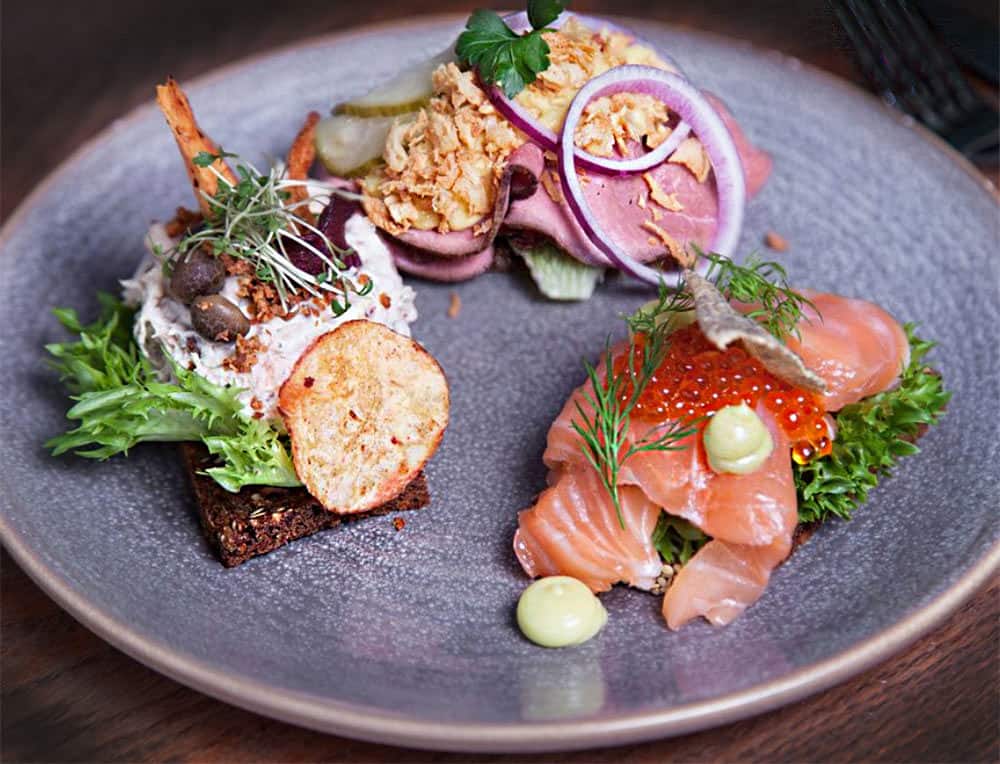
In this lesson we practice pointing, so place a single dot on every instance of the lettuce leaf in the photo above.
(872, 435)
(557, 275)
(120, 402)
(676, 539)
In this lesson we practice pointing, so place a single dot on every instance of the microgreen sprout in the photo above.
(253, 220)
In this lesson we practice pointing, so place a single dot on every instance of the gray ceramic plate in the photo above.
(408, 637)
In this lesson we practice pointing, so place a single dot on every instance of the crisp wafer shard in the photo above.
(723, 325)
(192, 141)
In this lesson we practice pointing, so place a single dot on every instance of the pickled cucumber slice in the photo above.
(366, 169)
(347, 144)
(406, 92)
(359, 109)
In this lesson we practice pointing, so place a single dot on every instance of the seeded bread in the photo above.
(259, 519)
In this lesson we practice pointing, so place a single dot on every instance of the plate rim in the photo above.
(361, 722)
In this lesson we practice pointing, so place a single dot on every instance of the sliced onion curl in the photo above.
(519, 23)
(524, 121)
(683, 98)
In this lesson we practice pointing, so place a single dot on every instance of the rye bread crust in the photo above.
(260, 519)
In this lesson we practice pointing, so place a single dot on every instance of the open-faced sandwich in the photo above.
(269, 332)
(737, 416)
(565, 137)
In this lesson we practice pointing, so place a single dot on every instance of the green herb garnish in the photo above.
(207, 159)
(871, 437)
(763, 283)
(758, 282)
(121, 401)
(676, 539)
(252, 220)
(605, 428)
(503, 57)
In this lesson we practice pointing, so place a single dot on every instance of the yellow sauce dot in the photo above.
(737, 441)
(559, 611)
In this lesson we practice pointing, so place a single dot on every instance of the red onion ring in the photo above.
(518, 22)
(547, 139)
(685, 99)
(540, 134)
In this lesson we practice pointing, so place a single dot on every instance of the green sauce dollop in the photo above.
(559, 611)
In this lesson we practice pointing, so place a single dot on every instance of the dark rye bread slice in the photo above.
(259, 519)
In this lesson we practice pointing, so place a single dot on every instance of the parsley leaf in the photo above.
(541, 13)
(502, 56)
(484, 32)
(871, 437)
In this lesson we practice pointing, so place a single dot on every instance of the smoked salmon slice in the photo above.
(856, 347)
(751, 519)
(573, 530)
(755, 509)
(721, 581)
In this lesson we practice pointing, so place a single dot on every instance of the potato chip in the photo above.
(365, 408)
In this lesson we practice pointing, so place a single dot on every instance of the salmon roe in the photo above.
(696, 380)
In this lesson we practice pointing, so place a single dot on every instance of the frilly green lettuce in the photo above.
(120, 402)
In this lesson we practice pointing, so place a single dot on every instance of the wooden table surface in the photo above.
(68, 71)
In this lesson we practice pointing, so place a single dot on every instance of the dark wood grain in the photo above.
(69, 69)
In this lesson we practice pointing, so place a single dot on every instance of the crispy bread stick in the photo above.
(301, 156)
(192, 141)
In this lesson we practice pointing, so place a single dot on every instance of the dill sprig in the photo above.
(254, 220)
(605, 430)
(764, 284)
(761, 283)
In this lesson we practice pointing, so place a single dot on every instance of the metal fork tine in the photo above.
(913, 52)
(895, 75)
(943, 67)
(898, 52)
(868, 59)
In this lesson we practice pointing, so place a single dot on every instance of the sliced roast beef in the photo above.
(451, 244)
(615, 201)
(521, 205)
(435, 268)
(519, 181)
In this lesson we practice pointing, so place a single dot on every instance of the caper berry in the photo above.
(200, 273)
(216, 318)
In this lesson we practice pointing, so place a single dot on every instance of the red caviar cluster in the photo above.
(696, 380)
